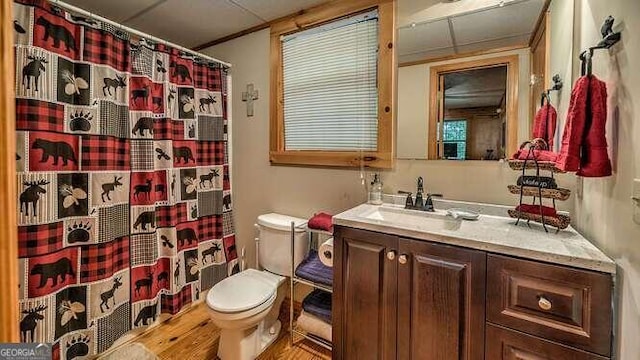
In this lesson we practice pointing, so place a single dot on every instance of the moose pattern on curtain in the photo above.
(124, 192)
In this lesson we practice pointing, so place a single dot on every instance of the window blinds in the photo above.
(330, 86)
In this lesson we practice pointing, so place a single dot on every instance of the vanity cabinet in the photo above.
(385, 306)
(401, 298)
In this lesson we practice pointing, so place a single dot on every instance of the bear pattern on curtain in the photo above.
(123, 179)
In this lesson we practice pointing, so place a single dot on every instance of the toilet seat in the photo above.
(244, 291)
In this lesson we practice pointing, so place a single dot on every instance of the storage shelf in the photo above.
(298, 280)
(557, 194)
(544, 165)
(559, 221)
(313, 284)
(314, 339)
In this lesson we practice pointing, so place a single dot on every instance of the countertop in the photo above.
(494, 234)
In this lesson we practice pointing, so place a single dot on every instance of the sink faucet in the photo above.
(420, 203)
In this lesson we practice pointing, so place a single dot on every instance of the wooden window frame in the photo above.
(384, 156)
(513, 77)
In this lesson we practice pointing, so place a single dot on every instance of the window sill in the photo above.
(344, 159)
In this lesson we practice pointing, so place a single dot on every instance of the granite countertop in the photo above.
(492, 233)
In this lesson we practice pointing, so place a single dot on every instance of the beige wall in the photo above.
(259, 188)
(604, 210)
(413, 103)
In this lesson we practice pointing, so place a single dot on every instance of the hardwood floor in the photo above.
(192, 336)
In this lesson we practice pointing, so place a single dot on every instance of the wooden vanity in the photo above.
(487, 305)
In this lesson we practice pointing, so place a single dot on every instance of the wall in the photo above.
(604, 210)
(413, 103)
(258, 187)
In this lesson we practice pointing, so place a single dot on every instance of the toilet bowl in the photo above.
(245, 306)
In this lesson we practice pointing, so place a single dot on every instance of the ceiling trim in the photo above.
(464, 55)
(540, 20)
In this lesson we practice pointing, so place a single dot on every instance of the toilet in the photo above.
(245, 306)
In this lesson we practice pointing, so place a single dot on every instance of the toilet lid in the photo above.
(243, 291)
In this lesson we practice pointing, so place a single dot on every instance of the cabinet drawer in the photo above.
(558, 303)
(505, 344)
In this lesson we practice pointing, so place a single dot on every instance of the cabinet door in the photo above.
(505, 344)
(365, 295)
(441, 292)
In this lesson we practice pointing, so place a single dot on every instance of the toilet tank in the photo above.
(275, 242)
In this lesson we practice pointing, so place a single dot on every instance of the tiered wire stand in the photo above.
(560, 221)
(313, 240)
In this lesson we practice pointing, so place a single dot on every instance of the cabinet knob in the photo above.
(391, 255)
(402, 259)
(544, 303)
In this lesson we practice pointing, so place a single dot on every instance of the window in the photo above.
(332, 80)
(455, 139)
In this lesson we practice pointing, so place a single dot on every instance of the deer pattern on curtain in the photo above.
(124, 191)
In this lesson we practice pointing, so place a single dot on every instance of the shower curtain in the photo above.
(123, 179)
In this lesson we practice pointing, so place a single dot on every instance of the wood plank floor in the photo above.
(193, 336)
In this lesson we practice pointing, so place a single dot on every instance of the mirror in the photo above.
(471, 73)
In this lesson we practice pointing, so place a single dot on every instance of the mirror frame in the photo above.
(512, 63)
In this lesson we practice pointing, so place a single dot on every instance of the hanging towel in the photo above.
(321, 221)
(535, 209)
(584, 145)
(544, 124)
(318, 303)
(595, 160)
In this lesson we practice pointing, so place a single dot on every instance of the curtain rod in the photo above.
(133, 31)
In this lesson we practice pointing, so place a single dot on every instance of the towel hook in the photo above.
(609, 38)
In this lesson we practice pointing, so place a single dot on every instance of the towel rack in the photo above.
(557, 85)
(609, 38)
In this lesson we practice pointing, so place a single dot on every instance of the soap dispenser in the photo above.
(375, 192)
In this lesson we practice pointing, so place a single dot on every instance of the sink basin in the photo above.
(415, 219)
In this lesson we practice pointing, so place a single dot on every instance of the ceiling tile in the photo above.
(496, 23)
(115, 10)
(191, 23)
(273, 9)
(424, 37)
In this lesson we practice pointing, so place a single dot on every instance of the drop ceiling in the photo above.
(433, 28)
(440, 27)
(475, 88)
(193, 22)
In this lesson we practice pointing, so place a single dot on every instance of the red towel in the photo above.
(544, 124)
(321, 221)
(535, 209)
(540, 155)
(595, 158)
(584, 145)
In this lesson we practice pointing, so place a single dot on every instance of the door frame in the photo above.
(513, 76)
(9, 314)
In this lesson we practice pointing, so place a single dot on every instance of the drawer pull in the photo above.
(402, 259)
(544, 303)
(391, 255)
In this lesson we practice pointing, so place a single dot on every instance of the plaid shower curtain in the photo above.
(124, 191)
